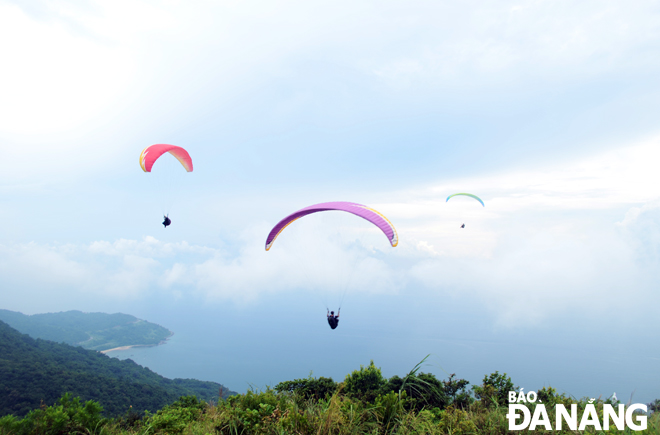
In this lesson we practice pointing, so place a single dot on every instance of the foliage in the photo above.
(275, 413)
(457, 392)
(309, 388)
(366, 383)
(388, 408)
(549, 397)
(365, 403)
(174, 418)
(494, 390)
(33, 371)
(251, 411)
(422, 390)
(67, 416)
(456, 421)
(654, 406)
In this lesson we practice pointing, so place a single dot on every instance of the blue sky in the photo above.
(546, 110)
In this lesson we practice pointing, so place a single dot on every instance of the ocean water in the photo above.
(254, 347)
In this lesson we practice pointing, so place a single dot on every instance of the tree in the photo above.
(495, 389)
(366, 383)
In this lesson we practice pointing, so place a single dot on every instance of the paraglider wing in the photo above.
(357, 209)
(150, 154)
(467, 194)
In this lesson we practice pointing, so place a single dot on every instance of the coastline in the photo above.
(136, 345)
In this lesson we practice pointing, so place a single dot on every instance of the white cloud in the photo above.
(534, 200)
(138, 269)
(546, 244)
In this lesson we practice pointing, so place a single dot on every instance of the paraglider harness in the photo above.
(333, 320)
(167, 221)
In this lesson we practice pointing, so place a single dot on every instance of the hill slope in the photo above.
(96, 331)
(32, 371)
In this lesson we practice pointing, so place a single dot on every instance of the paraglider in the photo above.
(357, 209)
(151, 154)
(467, 194)
(333, 320)
(360, 210)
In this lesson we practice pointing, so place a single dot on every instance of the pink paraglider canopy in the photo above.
(357, 209)
(150, 154)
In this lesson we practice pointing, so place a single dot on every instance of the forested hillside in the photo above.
(96, 331)
(35, 371)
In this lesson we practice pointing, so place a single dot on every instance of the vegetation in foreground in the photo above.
(364, 403)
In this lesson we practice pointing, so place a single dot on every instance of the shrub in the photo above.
(495, 389)
(176, 417)
(66, 416)
(310, 388)
(457, 422)
(388, 408)
(366, 383)
(457, 392)
(549, 397)
(654, 406)
(423, 390)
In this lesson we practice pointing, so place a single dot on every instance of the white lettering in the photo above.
(641, 419)
(570, 419)
(512, 396)
(529, 396)
(590, 417)
(618, 418)
(512, 416)
(521, 397)
(539, 418)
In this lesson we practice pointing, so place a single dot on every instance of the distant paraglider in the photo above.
(467, 194)
(148, 158)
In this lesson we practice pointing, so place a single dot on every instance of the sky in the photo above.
(546, 110)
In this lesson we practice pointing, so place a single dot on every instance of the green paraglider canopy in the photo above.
(467, 194)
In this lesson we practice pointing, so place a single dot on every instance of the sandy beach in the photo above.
(122, 348)
(137, 345)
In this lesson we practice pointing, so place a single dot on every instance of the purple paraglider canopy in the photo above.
(357, 209)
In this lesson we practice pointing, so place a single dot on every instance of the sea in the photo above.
(254, 347)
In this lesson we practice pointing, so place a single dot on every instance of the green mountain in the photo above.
(96, 331)
(38, 371)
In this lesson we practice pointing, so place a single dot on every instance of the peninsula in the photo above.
(95, 331)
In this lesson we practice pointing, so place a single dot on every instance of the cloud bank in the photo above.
(579, 240)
